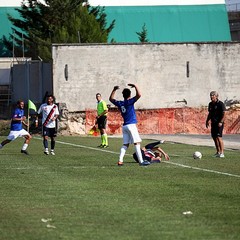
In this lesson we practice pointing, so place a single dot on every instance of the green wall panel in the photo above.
(170, 23)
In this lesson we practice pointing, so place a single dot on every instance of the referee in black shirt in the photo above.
(216, 114)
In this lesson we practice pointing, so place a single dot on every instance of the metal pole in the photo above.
(22, 45)
(13, 43)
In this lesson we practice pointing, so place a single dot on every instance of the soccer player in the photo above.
(49, 113)
(16, 130)
(101, 119)
(129, 128)
(152, 153)
(216, 115)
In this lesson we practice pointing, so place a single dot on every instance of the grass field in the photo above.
(82, 194)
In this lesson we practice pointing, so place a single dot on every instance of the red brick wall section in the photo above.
(168, 121)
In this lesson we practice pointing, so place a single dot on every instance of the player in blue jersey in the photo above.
(129, 128)
(16, 130)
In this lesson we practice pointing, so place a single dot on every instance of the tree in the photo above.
(56, 21)
(4, 52)
(142, 36)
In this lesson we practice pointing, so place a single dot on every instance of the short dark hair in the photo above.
(19, 101)
(52, 96)
(98, 94)
(126, 93)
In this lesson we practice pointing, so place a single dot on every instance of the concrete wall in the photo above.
(167, 74)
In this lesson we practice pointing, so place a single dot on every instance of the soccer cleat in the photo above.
(100, 146)
(144, 163)
(216, 154)
(25, 152)
(104, 146)
(52, 152)
(220, 155)
(120, 163)
(46, 152)
(161, 141)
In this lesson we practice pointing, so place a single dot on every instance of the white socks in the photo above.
(25, 145)
(122, 153)
(139, 153)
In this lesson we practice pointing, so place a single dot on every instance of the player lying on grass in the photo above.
(152, 153)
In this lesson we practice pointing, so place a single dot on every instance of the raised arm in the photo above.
(138, 94)
(111, 98)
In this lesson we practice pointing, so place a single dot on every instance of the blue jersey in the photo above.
(17, 125)
(127, 110)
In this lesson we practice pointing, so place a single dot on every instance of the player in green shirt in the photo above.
(101, 119)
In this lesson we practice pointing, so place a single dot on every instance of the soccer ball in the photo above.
(197, 155)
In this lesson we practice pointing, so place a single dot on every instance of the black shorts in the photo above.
(216, 131)
(50, 132)
(102, 122)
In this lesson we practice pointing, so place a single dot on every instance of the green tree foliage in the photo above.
(3, 50)
(56, 21)
(142, 36)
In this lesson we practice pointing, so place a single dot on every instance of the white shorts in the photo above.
(15, 134)
(130, 134)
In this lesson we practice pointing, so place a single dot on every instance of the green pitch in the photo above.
(82, 194)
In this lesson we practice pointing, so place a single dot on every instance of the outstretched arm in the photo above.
(138, 94)
(111, 98)
(160, 150)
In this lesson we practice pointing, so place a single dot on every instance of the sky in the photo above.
(233, 1)
(233, 5)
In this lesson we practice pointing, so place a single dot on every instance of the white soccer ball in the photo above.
(197, 155)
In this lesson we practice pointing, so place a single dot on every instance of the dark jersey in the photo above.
(216, 111)
(146, 155)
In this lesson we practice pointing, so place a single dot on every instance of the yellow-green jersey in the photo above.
(101, 107)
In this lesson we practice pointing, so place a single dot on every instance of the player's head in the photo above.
(158, 155)
(50, 99)
(98, 97)
(214, 96)
(126, 93)
(20, 104)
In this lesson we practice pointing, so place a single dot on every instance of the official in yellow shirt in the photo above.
(101, 120)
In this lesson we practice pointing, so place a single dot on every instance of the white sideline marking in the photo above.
(202, 169)
(177, 164)
(82, 146)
